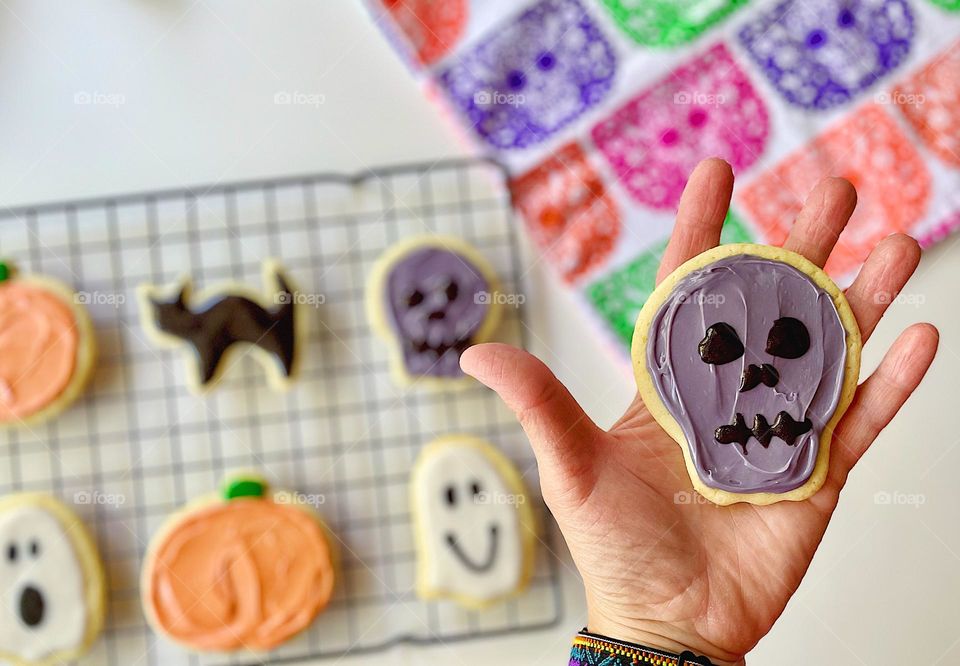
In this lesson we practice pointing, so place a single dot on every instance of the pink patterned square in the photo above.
(704, 108)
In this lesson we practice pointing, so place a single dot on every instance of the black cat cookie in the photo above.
(218, 325)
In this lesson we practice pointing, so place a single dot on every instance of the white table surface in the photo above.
(184, 94)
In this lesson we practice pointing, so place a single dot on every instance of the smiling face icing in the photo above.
(43, 608)
(748, 356)
(470, 537)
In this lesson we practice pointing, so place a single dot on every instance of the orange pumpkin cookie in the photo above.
(246, 569)
(47, 347)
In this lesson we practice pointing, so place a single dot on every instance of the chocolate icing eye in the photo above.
(451, 496)
(415, 298)
(475, 488)
(452, 290)
(720, 345)
(788, 338)
(12, 552)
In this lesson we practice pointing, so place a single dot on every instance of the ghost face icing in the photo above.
(437, 300)
(470, 525)
(44, 610)
(748, 356)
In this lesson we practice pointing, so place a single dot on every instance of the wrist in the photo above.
(659, 635)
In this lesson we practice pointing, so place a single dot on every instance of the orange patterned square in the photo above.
(930, 100)
(432, 27)
(868, 149)
(568, 211)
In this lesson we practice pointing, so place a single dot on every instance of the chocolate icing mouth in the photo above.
(423, 346)
(784, 426)
(467, 561)
(31, 607)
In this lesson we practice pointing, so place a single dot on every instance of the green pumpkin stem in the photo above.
(5, 271)
(245, 486)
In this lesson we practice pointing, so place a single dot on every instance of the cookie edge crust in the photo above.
(83, 362)
(94, 577)
(659, 411)
(528, 523)
(276, 380)
(379, 318)
(199, 504)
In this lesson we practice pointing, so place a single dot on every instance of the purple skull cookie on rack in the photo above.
(431, 297)
(748, 356)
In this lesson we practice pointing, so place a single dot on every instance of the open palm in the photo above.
(661, 566)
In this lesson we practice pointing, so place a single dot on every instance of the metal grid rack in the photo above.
(139, 445)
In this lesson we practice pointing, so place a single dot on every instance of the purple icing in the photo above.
(437, 300)
(821, 53)
(533, 75)
(749, 293)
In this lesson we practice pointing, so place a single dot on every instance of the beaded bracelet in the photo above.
(595, 650)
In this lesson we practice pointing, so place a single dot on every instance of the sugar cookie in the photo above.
(52, 590)
(216, 323)
(748, 355)
(47, 347)
(244, 569)
(474, 526)
(431, 297)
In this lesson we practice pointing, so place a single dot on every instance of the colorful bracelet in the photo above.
(595, 650)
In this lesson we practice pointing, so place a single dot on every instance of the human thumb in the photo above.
(563, 437)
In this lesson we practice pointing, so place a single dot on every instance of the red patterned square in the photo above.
(568, 211)
(868, 149)
(432, 26)
(931, 102)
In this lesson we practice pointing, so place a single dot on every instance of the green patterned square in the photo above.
(619, 296)
(734, 230)
(952, 5)
(668, 22)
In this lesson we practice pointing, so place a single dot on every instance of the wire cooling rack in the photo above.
(139, 445)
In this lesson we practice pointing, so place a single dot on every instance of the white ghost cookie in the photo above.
(52, 591)
(475, 529)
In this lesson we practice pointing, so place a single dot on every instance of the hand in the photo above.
(693, 575)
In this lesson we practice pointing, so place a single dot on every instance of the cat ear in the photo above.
(180, 299)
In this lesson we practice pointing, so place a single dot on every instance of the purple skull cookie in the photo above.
(748, 355)
(533, 75)
(821, 53)
(432, 297)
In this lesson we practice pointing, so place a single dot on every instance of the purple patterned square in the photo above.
(706, 107)
(532, 76)
(821, 53)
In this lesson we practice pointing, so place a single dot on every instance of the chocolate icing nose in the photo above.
(31, 606)
(755, 375)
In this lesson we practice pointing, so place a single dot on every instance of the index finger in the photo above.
(703, 207)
